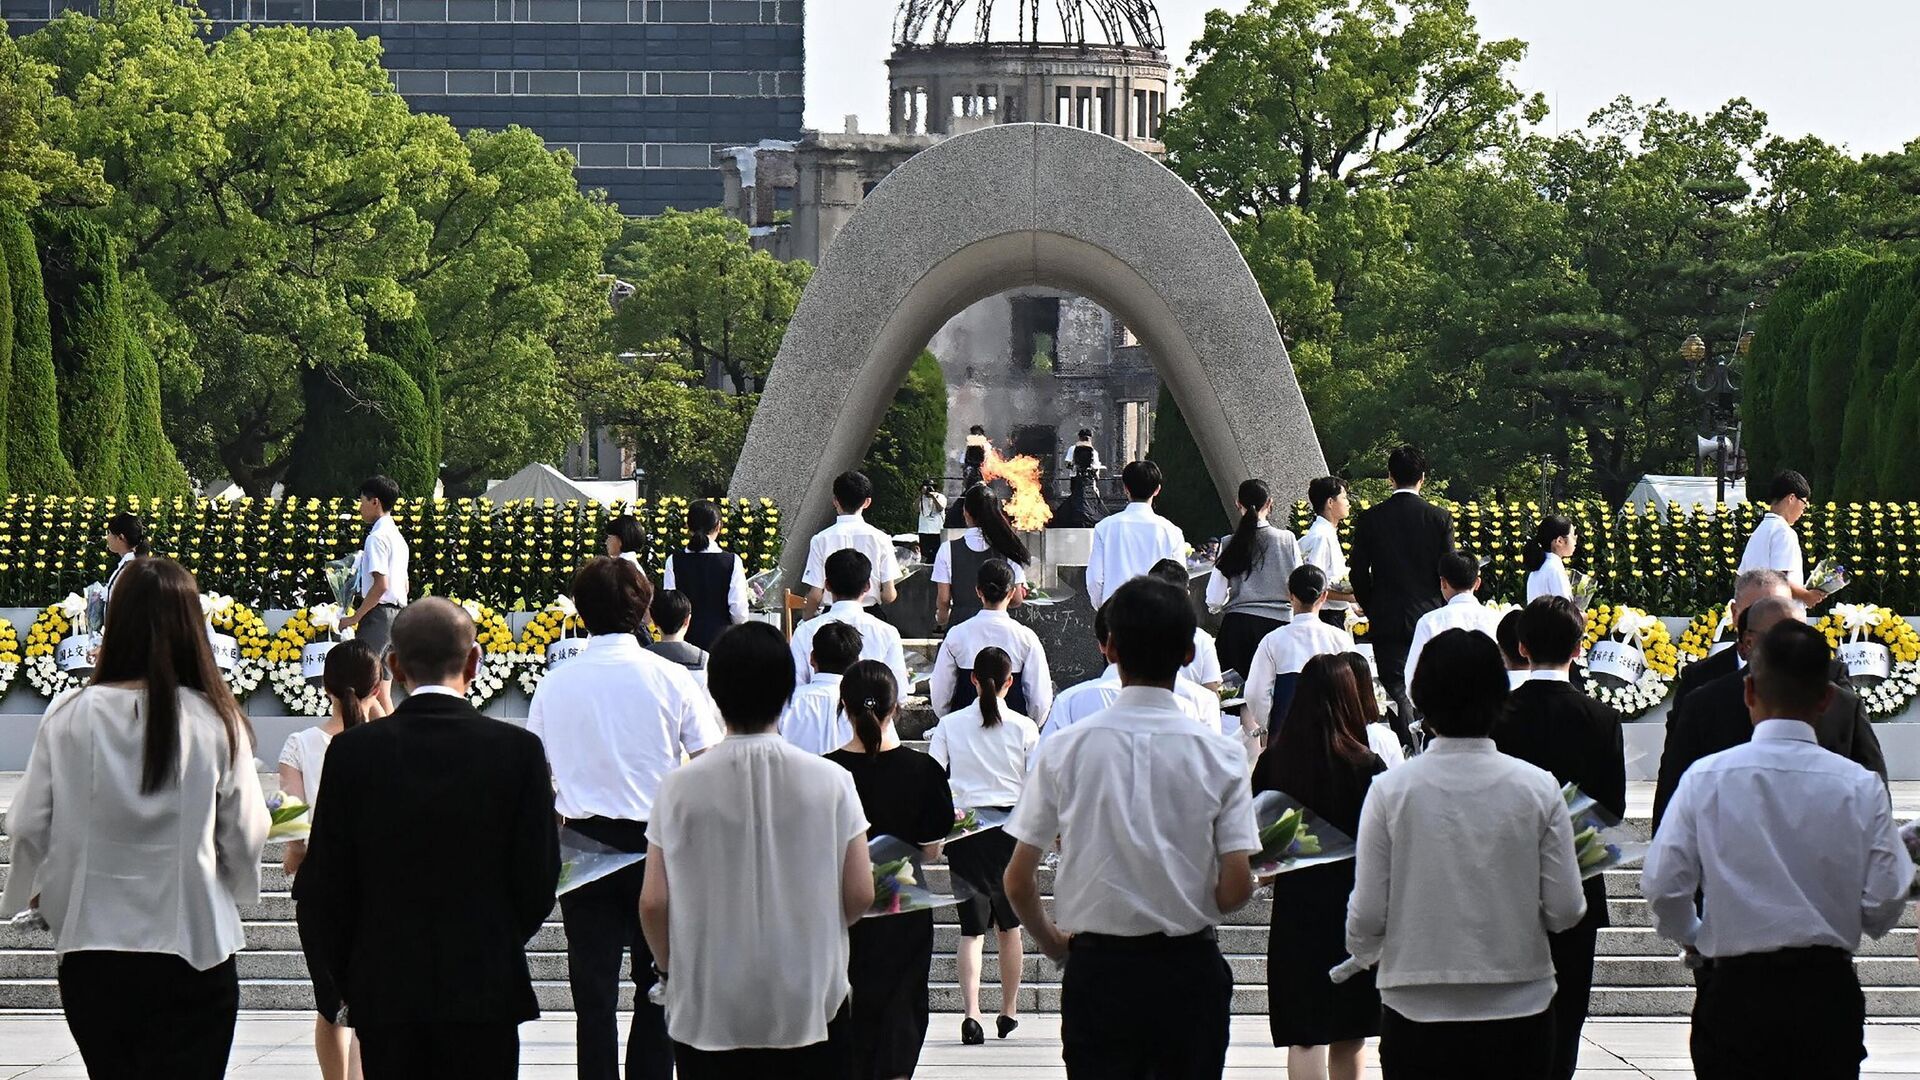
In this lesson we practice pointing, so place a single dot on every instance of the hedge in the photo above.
(271, 553)
(6, 353)
(148, 465)
(35, 461)
(1685, 564)
(1773, 368)
(86, 310)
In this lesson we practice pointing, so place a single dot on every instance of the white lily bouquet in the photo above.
(292, 818)
(1599, 843)
(342, 575)
(1584, 586)
(906, 552)
(584, 860)
(1828, 576)
(972, 821)
(1293, 837)
(766, 591)
(898, 879)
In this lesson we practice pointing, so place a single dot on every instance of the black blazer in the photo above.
(1578, 740)
(1701, 672)
(1395, 563)
(1715, 718)
(433, 861)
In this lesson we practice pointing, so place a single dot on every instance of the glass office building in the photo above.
(642, 92)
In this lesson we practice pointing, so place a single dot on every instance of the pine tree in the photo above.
(35, 462)
(1897, 419)
(89, 329)
(148, 465)
(1188, 497)
(1774, 435)
(364, 416)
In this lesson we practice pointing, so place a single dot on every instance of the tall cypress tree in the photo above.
(409, 343)
(363, 416)
(6, 351)
(35, 462)
(1188, 498)
(910, 446)
(148, 465)
(1836, 346)
(1897, 418)
(1767, 432)
(85, 311)
(1856, 474)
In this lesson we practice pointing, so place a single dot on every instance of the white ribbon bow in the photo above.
(212, 604)
(1633, 625)
(73, 606)
(1859, 618)
(472, 609)
(564, 605)
(325, 617)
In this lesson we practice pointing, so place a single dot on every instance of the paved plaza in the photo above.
(277, 1046)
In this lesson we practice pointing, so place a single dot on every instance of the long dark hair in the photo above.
(1551, 528)
(702, 518)
(1242, 553)
(155, 634)
(1325, 728)
(983, 508)
(870, 695)
(350, 675)
(992, 667)
(128, 527)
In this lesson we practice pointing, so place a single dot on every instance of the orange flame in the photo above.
(1028, 507)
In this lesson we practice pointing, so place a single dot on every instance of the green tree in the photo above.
(1897, 418)
(1830, 368)
(6, 345)
(364, 416)
(35, 462)
(89, 332)
(1857, 466)
(910, 447)
(408, 343)
(148, 465)
(1188, 497)
(31, 165)
(1773, 432)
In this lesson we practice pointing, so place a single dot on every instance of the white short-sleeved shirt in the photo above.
(385, 552)
(851, 531)
(1126, 545)
(1463, 612)
(814, 721)
(1774, 546)
(1206, 659)
(616, 720)
(987, 765)
(753, 835)
(878, 641)
(1082, 700)
(1550, 580)
(306, 751)
(736, 583)
(1285, 651)
(992, 628)
(1145, 803)
(1321, 547)
(976, 541)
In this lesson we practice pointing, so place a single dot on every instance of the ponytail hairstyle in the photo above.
(995, 581)
(351, 673)
(128, 528)
(1308, 584)
(870, 696)
(1551, 528)
(992, 667)
(1242, 553)
(984, 510)
(703, 517)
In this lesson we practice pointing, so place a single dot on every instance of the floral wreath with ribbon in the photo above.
(1634, 627)
(304, 627)
(557, 620)
(51, 627)
(499, 654)
(10, 658)
(251, 639)
(1873, 625)
(1706, 630)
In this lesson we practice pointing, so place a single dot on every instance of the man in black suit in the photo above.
(1395, 568)
(1564, 731)
(1748, 589)
(433, 860)
(1715, 717)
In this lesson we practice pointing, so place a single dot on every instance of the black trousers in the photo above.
(1573, 978)
(1145, 1008)
(1390, 664)
(140, 1015)
(1798, 1014)
(830, 1060)
(603, 921)
(439, 1051)
(1518, 1049)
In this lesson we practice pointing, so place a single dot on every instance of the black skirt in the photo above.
(980, 861)
(1240, 637)
(890, 961)
(1308, 937)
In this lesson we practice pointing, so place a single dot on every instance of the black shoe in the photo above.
(971, 1034)
(1006, 1024)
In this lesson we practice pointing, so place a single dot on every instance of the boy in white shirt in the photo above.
(849, 577)
(381, 576)
(1459, 580)
(1774, 545)
(1286, 651)
(1128, 543)
(814, 721)
(852, 494)
(1204, 668)
(1081, 700)
(1321, 543)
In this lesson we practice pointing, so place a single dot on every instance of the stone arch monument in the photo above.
(1002, 207)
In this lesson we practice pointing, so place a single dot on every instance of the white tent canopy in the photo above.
(540, 481)
(1681, 493)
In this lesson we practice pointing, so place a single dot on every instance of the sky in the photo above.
(1842, 69)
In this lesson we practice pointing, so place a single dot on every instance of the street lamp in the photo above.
(1718, 387)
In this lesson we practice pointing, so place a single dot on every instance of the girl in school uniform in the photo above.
(989, 535)
(951, 688)
(1249, 583)
(1554, 541)
(714, 580)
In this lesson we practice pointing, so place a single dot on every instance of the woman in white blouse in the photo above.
(756, 866)
(1554, 541)
(137, 831)
(127, 540)
(351, 679)
(985, 749)
(1282, 654)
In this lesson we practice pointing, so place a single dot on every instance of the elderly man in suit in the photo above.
(1395, 567)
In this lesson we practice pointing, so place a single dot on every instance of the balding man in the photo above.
(1714, 717)
(1749, 588)
(433, 861)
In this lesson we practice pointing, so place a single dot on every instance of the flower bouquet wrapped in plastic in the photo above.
(898, 879)
(584, 860)
(1585, 587)
(1599, 843)
(1828, 576)
(969, 821)
(1293, 837)
(290, 815)
(342, 574)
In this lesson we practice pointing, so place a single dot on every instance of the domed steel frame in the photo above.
(1119, 22)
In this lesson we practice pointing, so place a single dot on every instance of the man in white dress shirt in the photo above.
(1774, 545)
(1459, 580)
(1081, 700)
(849, 576)
(1155, 821)
(814, 720)
(852, 495)
(615, 720)
(381, 576)
(1127, 544)
(951, 686)
(1320, 546)
(1796, 856)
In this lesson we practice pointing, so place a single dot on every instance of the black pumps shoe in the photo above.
(971, 1034)
(1006, 1024)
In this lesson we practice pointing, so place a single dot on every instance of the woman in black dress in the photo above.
(1320, 758)
(904, 794)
